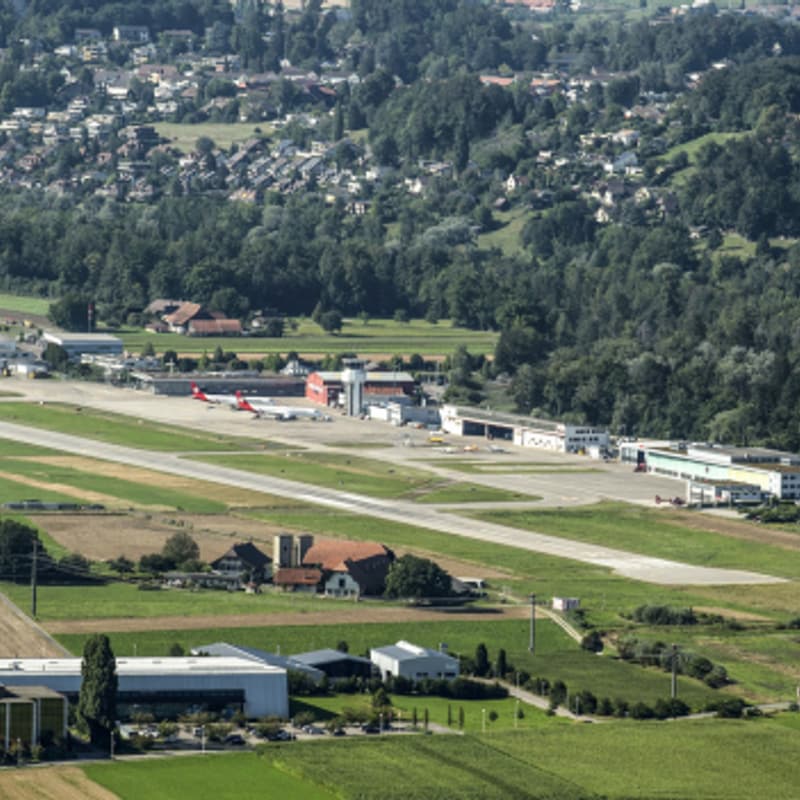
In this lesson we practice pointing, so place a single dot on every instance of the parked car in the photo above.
(234, 739)
(370, 727)
(312, 729)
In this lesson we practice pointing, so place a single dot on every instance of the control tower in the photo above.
(353, 379)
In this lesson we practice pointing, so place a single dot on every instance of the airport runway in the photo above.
(630, 565)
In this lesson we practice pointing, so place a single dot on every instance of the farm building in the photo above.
(336, 664)
(261, 656)
(244, 558)
(298, 579)
(166, 686)
(77, 344)
(31, 715)
(415, 663)
(350, 568)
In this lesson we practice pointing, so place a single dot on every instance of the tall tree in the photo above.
(97, 701)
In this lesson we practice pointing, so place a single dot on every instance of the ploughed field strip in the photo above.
(631, 565)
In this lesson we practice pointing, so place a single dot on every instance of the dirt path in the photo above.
(21, 637)
(85, 495)
(50, 783)
(357, 615)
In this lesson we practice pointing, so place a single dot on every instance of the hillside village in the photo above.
(99, 134)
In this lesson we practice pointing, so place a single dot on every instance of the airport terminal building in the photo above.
(166, 686)
(719, 473)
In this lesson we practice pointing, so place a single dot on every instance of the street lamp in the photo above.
(483, 720)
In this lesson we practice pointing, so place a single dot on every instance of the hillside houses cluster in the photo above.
(113, 150)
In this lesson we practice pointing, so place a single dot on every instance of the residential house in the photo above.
(244, 559)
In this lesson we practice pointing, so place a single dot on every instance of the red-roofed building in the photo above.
(214, 327)
(350, 568)
(298, 579)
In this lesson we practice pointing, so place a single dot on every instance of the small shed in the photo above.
(565, 603)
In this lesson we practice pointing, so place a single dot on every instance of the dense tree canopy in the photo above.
(414, 577)
(97, 701)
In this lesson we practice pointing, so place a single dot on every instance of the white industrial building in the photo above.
(77, 344)
(525, 431)
(259, 689)
(413, 662)
(719, 473)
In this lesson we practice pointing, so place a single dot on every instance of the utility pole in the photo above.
(674, 682)
(33, 577)
(532, 642)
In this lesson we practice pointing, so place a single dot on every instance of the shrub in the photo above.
(642, 711)
(593, 642)
(664, 615)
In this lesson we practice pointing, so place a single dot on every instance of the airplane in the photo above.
(266, 408)
(223, 399)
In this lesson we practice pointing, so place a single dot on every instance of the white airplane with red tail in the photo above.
(266, 408)
(214, 399)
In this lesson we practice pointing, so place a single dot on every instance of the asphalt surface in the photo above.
(630, 565)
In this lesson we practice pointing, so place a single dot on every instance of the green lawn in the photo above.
(117, 428)
(704, 759)
(12, 491)
(438, 707)
(232, 776)
(38, 306)
(136, 494)
(379, 336)
(184, 136)
(698, 760)
(651, 532)
(123, 600)
(476, 467)
(506, 237)
(557, 657)
(361, 475)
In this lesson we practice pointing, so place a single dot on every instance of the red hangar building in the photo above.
(327, 388)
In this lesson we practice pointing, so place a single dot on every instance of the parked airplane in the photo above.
(266, 408)
(223, 399)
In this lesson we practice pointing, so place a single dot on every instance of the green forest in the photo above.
(651, 321)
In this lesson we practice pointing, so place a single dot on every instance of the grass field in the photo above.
(506, 237)
(378, 336)
(475, 467)
(438, 709)
(117, 428)
(123, 600)
(361, 475)
(232, 776)
(698, 760)
(38, 306)
(650, 532)
(184, 136)
(123, 492)
(704, 760)
(557, 656)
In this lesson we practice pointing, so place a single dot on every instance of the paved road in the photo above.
(631, 565)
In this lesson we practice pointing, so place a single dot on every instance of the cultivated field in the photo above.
(51, 783)
(703, 760)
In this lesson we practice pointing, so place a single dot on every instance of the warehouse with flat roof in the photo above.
(77, 344)
(166, 686)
